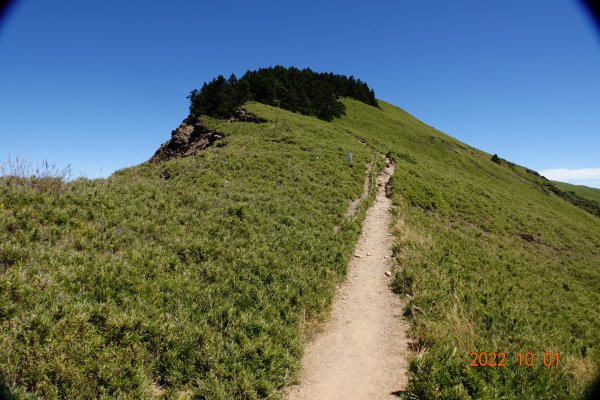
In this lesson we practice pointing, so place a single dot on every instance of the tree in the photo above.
(296, 90)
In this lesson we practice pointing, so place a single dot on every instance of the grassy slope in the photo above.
(139, 286)
(589, 193)
(475, 283)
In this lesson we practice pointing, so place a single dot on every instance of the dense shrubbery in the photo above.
(302, 91)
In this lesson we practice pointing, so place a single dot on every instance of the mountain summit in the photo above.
(202, 274)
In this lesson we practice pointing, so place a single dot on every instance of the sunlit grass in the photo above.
(41, 176)
(197, 277)
(199, 284)
(489, 261)
(583, 191)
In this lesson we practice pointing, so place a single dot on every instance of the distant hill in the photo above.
(202, 273)
(586, 192)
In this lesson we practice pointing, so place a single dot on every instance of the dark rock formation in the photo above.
(241, 115)
(190, 138)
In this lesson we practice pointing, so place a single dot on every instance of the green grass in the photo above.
(194, 286)
(589, 193)
(489, 261)
(202, 285)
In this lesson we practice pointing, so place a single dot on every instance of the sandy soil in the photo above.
(361, 352)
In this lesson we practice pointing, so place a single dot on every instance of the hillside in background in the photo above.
(491, 260)
(202, 276)
(585, 192)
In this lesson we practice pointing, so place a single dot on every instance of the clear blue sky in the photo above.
(100, 85)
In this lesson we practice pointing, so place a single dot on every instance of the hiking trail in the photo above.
(362, 350)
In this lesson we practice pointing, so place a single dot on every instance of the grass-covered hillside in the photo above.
(491, 261)
(589, 193)
(189, 278)
(195, 278)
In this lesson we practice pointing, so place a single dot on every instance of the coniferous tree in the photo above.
(302, 91)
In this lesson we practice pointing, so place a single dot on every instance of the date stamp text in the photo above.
(521, 359)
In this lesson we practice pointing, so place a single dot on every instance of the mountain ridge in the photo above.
(202, 276)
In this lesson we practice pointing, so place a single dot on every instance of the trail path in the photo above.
(362, 351)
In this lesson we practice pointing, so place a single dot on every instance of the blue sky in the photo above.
(100, 85)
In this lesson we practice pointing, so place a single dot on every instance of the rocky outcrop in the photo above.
(190, 138)
(241, 115)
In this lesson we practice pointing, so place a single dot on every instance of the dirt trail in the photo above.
(362, 351)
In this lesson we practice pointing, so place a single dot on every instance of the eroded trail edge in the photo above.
(361, 352)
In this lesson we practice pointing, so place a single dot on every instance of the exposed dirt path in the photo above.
(362, 351)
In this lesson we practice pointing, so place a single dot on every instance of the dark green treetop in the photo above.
(302, 91)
